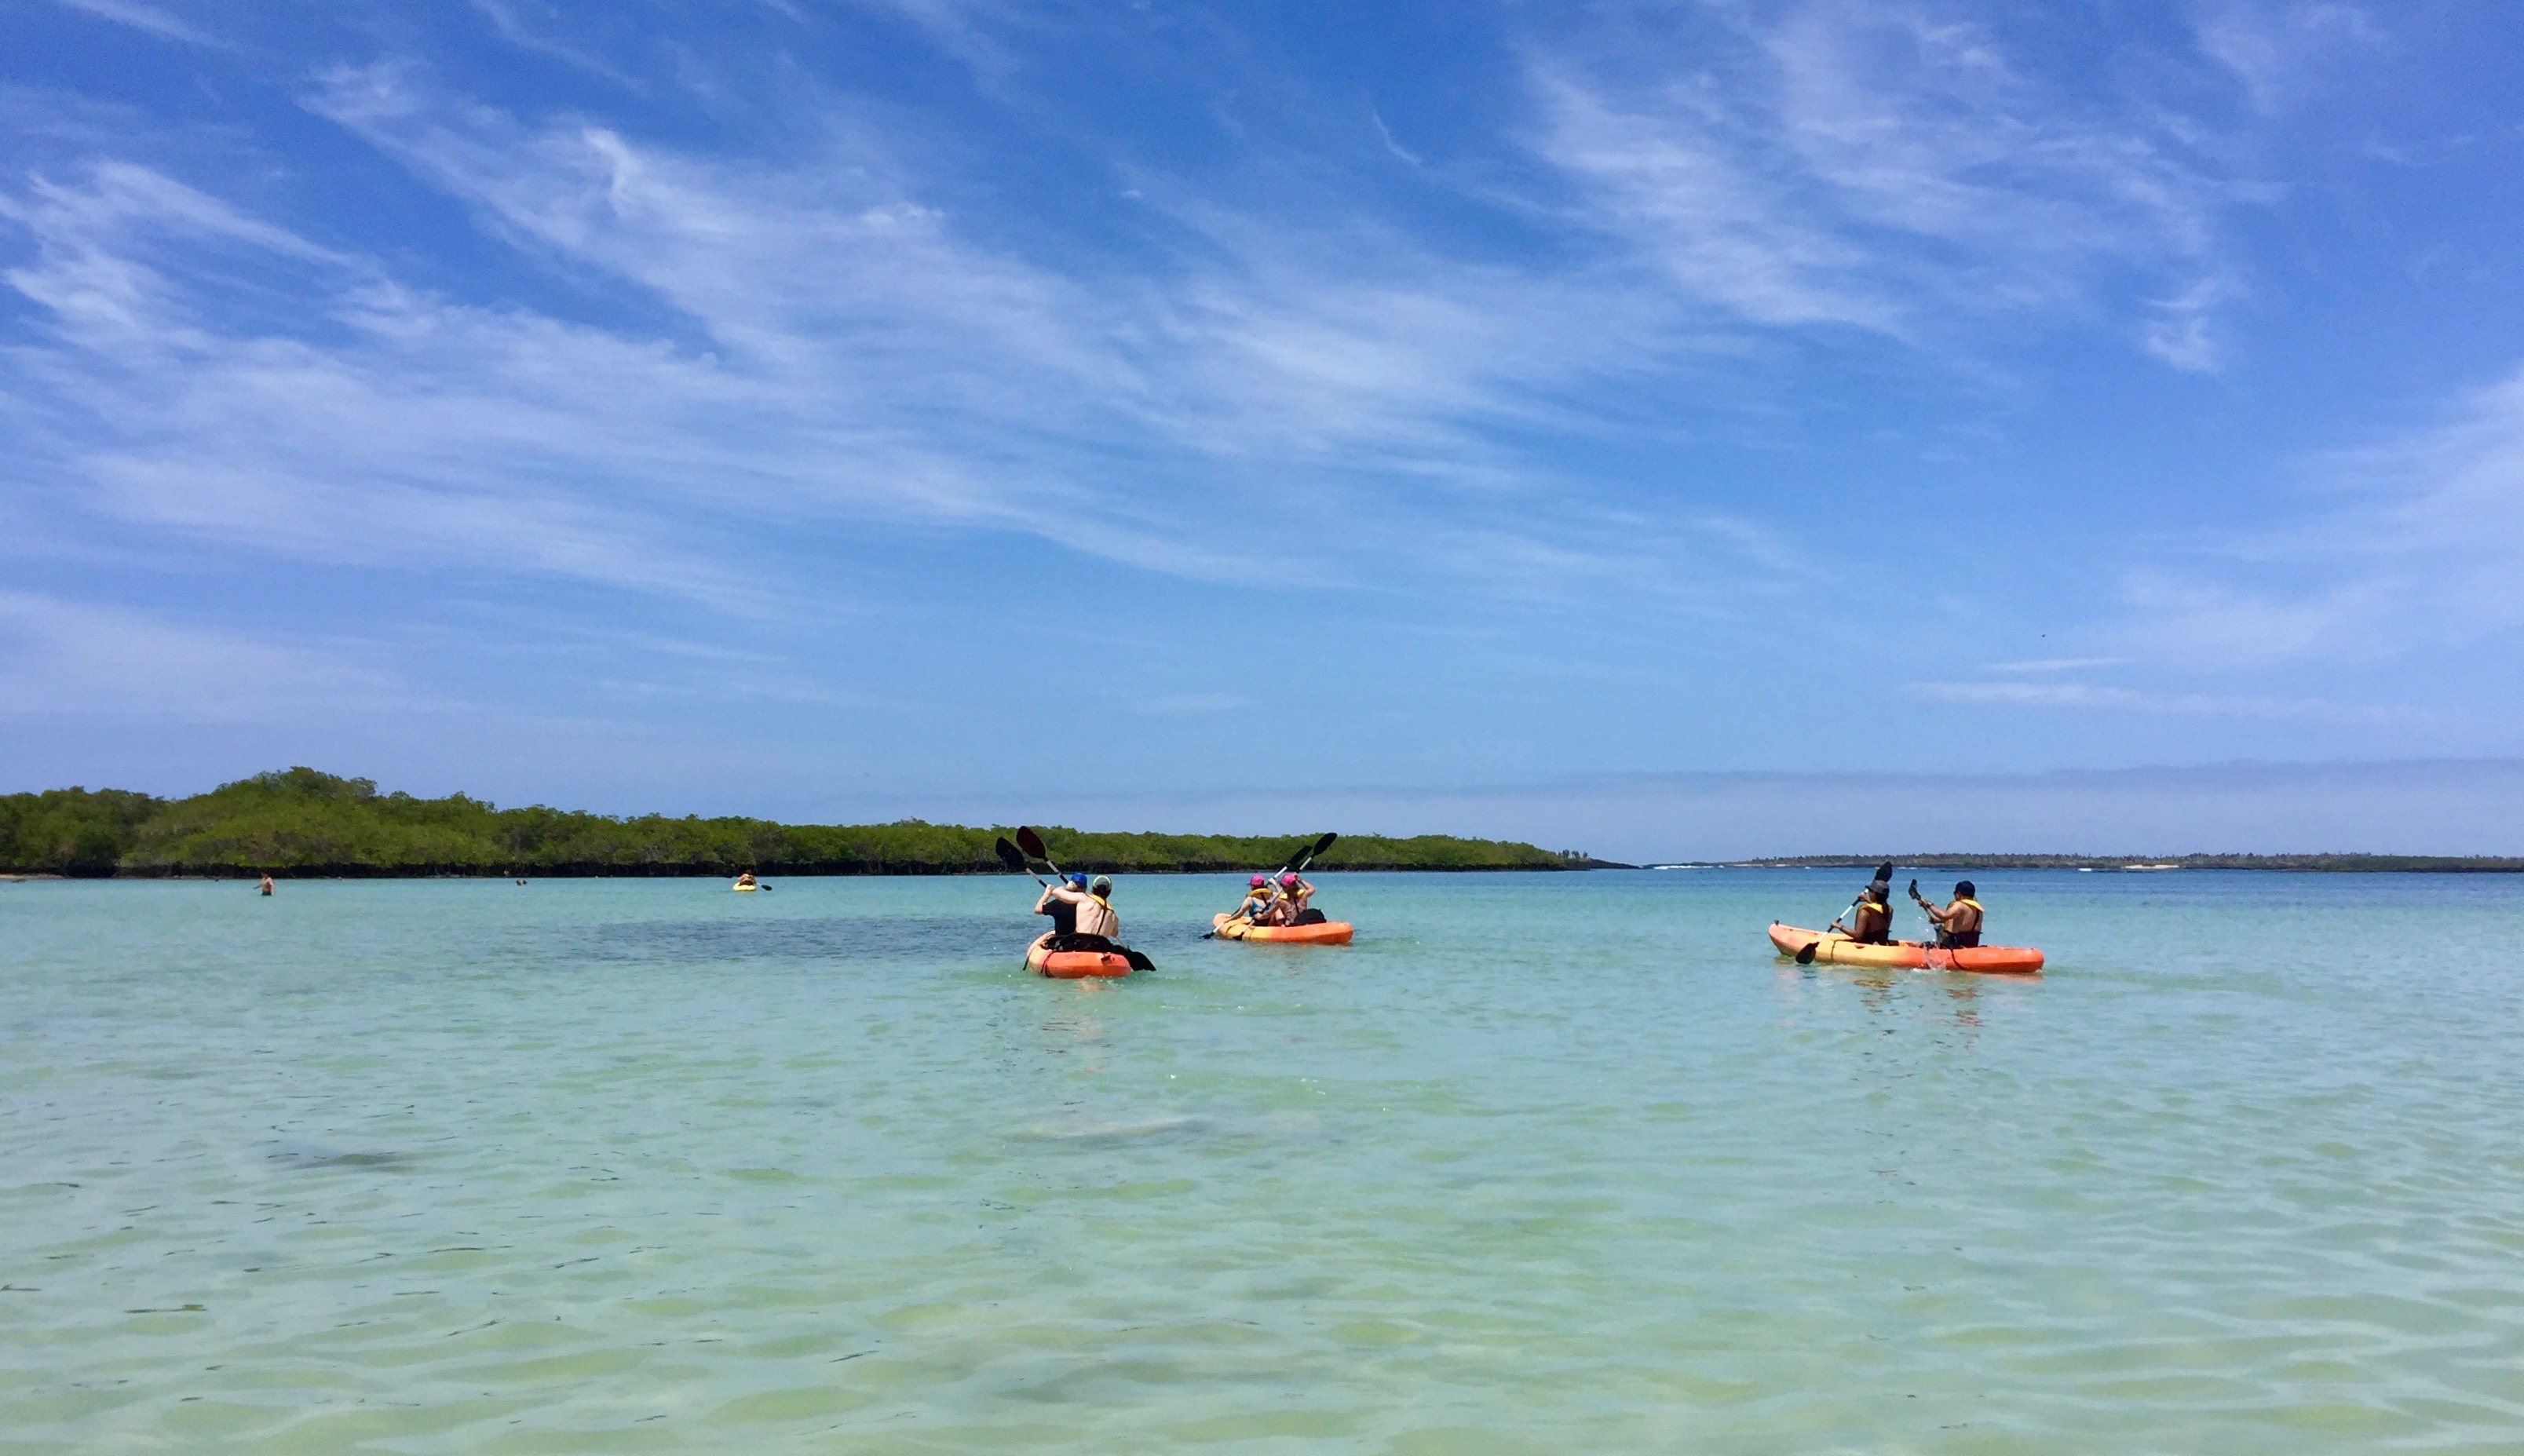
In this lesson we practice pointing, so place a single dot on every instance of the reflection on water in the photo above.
(641, 1165)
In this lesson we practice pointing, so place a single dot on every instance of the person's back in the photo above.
(1872, 923)
(1962, 917)
(1062, 910)
(1096, 915)
(1959, 921)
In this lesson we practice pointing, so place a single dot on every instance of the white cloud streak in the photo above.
(145, 18)
(843, 355)
(2422, 542)
(1875, 167)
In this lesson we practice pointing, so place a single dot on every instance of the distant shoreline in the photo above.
(2432, 864)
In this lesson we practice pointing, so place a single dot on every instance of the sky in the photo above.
(1665, 428)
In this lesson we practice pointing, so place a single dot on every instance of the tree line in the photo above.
(300, 821)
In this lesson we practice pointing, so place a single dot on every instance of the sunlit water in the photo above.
(1543, 1163)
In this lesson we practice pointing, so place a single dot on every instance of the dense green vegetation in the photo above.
(306, 822)
(2367, 863)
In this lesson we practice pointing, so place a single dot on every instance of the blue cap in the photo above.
(1078, 879)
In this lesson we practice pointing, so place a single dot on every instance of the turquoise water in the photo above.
(1543, 1163)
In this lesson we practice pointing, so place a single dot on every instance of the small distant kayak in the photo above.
(744, 888)
(1834, 948)
(1076, 965)
(1321, 933)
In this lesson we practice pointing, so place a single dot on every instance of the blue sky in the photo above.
(824, 410)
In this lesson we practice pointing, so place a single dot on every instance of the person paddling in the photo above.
(1294, 893)
(1871, 920)
(1257, 901)
(1096, 927)
(1064, 912)
(264, 888)
(1957, 921)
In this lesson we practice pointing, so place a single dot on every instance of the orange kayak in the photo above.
(1074, 965)
(1834, 948)
(1321, 933)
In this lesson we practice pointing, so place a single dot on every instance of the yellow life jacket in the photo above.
(1976, 904)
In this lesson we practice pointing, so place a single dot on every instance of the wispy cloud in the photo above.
(66, 659)
(2089, 697)
(2416, 540)
(835, 350)
(2055, 665)
(148, 18)
(1867, 164)
(2274, 47)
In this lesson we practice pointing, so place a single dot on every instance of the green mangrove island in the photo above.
(303, 822)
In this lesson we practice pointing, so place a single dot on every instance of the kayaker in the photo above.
(744, 879)
(1096, 915)
(1064, 912)
(1258, 897)
(1871, 920)
(1959, 921)
(1097, 926)
(1294, 893)
(264, 888)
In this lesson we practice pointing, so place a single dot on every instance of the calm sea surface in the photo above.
(1563, 1163)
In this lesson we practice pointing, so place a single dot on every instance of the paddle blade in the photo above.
(1139, 962)
(1010, 856)
(1031, 842)
(1805, 956)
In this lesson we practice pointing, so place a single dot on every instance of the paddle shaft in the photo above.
(1806, 957)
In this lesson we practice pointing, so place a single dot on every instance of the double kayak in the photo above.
(1321, 933)
(1076, 965)
(1831, 948)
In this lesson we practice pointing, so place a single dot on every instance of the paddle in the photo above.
(1014, 858)
(1806, 955)
(1883, 877)
(1031, 844)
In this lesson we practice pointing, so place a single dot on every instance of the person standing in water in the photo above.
(1957, 921)
(266, 886)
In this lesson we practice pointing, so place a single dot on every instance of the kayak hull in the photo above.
(1076, 965)
(744, 888)
(1323, 933)
(1834, 948)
